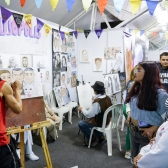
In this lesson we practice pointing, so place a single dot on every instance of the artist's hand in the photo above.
(80, 108)
(149, 132)
(52, 118)
(17, 87)
(136, 160)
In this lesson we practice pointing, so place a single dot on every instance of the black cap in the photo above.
(99, 86)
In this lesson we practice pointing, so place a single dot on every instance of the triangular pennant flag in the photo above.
(154, 34)
(53, 3)
(118, 4)
(47, 29)
(136, 31)
(151, 6)
(28, 19)
(86, 32)
(70, 4)
(62, 34)
(147, 33)
(166, 4)
(18, 19)
(135, 4)
(40, 24)
(5, 14)
(8, 2)
(98, 32)
(130, 30)
(141, 32)
(102, 4)
(22, 2)
(76, 34)
(86, 4)
(127, 34)
(67, 33)
(161, 34)
(38, 3)
(80, 30)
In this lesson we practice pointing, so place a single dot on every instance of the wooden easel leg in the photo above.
(22, 150)
(45, 148)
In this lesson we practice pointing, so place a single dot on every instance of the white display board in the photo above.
(85, 95)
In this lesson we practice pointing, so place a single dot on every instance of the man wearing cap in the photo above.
(94, 116)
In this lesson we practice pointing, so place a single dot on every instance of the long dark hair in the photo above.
(147, 92)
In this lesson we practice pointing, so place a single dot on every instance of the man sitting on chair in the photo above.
(94, 116)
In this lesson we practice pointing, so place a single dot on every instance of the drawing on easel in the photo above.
(108, 84)
(122, 77)
(116, 83)
(85, 95)
(58, 95)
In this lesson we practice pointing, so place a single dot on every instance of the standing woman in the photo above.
(147, 99)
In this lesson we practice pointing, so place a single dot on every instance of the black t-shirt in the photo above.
(163, 76)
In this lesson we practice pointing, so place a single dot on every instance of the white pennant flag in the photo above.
(86, 4)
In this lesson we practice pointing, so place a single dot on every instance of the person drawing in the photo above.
(5, 75)
(98, 63)
(12, 63)
(64, 64)
(84, 57)
(24, 62)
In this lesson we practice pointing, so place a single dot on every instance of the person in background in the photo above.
(126, 112)
(11, 96)
(146, 99)
(95, 114)
(163, 68)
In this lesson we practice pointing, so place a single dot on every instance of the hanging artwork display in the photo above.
(116, 83)
(58, 95)
(122, 77)
(56, 79)
(63, 78)
(73, 63)
(64, 47)
(84, 55)
(28, 77)
(70, 43)
(73, 79)
(63, 62)
(108, 84)
(97, 64)
(85, 95)
(39, 62)
(56, 41)
(45, 76)
(26, 61)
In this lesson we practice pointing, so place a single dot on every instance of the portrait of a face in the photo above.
(63, 78)
(56, 80)
(108, 84)
(26, 61)
(5, 75)
(84, 56)
(116, 83)
(12, 63)
(63, 62)
(97, 64)
(29, 75)
(73, 63)
(17, 74)
(56, 41)
(29, 91)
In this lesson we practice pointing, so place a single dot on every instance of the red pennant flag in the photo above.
(154, 34)
(102, 4)
(22, 2)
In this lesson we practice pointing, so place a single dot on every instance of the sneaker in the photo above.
(127, 155)
(32, 157)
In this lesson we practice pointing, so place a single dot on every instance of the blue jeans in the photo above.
(137, 142)
(85, 127)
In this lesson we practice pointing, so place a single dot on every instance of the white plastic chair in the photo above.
(59, 110)
(116, 111)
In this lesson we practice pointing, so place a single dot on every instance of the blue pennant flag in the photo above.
(141, 32)
(118, 4)
(70, 4)
(161, 34)
(38, 3)
(151, 6)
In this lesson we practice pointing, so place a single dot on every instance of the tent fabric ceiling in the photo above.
(62, 17)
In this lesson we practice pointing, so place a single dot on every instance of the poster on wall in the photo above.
(84, 56)
(26, 61)
(128, 55)
(116, 83)
(122, 77)
(63, 62)
(58, 95)
(56, 41)
(28, 77)
(108, 84)
(97, 64)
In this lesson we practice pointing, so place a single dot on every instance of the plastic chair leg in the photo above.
(123, 122)
(70, 115)
(109, 142)
(61, 117)
(90, 139)
(118, 139)
(56, 133)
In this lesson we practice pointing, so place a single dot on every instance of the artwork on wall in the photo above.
(65, 94)
(56, 41)
(122, 77)
(111, 52)
(116, 83)
(45, 76)
(73, 79)
(63, 62)
(108, 84)
(70, 43)
(85, 95)
(56, 79)
(25, 61)
(68, 74)
(63, 78)
(64, 44)
(28, 77)
(39, 62)
(73, 63)
(13, 62)
(97, 64)
(58, 95)
(84, 55)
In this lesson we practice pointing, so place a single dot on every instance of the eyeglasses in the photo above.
(138, 70)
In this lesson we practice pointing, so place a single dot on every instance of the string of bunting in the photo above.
(118, 4)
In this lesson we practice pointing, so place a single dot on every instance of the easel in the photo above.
(36, 117)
